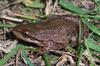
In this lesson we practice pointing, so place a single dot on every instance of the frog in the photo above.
(54, 33)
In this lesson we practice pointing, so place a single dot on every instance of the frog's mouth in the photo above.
(21, 36)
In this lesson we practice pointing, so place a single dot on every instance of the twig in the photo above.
(48, 5)
(12, 19)
(17, 57)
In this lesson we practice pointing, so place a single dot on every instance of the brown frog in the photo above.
(53, 34)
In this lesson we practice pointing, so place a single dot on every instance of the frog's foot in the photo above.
(42, 50)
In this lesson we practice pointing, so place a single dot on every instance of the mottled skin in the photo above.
(54, 33)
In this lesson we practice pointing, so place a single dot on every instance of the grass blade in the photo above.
(10, 54)
(91, 43)
(46, 59)
(6, 26)
(26, 58)
(67, 5)
(34, 4)
(91, 26)
(81, 50)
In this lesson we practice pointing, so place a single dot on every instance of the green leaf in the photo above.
(97, 1)
(6, 26)
(10, 54)
(33, 4)
(90, 16)
(67, 5)
(92, 44)
(80, 53)
(26, 58)
(91, 26)
(46, 59)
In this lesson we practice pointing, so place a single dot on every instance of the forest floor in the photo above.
(16, 52)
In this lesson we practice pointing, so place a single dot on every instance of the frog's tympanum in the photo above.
(55, 33)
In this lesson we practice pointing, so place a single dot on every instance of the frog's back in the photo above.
(61, 21)
(57, 32)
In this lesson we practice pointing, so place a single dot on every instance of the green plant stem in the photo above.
(46, 59)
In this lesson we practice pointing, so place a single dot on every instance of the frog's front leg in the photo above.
(51, 45)
(48, 45)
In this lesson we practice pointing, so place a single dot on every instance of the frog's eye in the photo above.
(25, 34)
(26, 37)
(21, 34)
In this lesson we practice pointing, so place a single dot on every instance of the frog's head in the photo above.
(26, 33)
